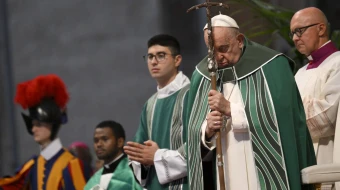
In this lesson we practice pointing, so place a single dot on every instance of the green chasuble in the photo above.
(122, 178)
(279, 137)
(161, 121)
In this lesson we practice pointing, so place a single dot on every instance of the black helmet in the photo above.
(46, 98)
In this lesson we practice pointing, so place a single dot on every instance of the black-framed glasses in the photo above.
(300, 31)
(159, 57)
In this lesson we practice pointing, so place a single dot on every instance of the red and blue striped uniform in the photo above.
(62, 171)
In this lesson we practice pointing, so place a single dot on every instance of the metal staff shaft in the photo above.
(212, 67)
(219, 153)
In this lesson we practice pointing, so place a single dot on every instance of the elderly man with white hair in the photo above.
(265, 140)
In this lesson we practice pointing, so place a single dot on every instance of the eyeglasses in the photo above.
(159, 57)
(300, 31)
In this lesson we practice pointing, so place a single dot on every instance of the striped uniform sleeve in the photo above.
(18, 181)
(76, 174)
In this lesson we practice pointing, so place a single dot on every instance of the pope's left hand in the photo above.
(143, 154)
(217, 102)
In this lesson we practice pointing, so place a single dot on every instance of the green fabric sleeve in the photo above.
(142, 131)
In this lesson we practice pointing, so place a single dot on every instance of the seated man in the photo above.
(109, 139)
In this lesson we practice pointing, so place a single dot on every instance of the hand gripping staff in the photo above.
(212, 67)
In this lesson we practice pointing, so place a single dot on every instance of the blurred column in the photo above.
(187, 28)
(331, 8)
(8, 139)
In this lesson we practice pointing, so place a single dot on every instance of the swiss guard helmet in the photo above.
(45, 97)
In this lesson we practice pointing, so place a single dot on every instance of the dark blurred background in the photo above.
(96, 47)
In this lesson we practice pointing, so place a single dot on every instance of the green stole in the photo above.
(161, 121)
(122, 178)
(280, 139)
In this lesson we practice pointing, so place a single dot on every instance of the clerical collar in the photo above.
(319, 55)
(52, 149)
(110, 168)
(179, 82)
(117, 158)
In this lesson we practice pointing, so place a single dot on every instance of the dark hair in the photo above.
(167, 41)
(117, 129)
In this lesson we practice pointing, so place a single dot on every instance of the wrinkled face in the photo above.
(161, 63)
(106, 145)
(309, 34)
(227, 46)
(41, 132)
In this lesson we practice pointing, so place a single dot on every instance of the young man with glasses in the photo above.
(158, 151)
(319, 80)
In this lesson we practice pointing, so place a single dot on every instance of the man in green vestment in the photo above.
(265, 140)
(158, 152)
(109, 139)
